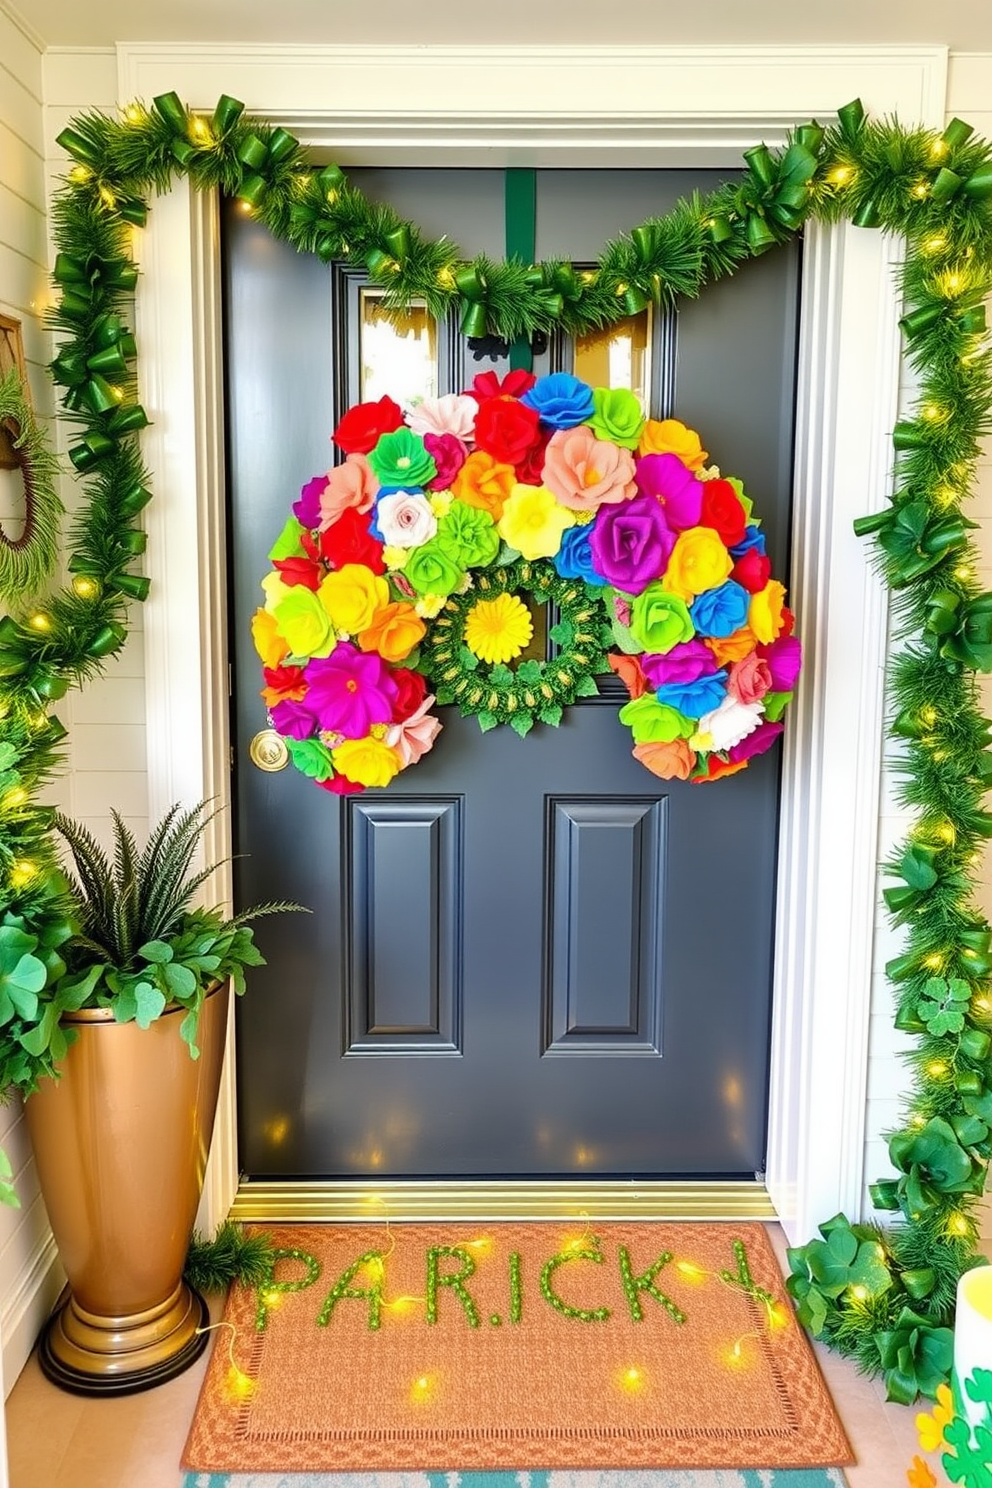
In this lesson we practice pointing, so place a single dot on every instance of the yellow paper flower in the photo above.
(498, 629)
(395, 558)
(351, 595)
(672, 437)
(429, 605)
(366, 761)
(699, 561)
(275, 589)
(440, 503)
(764, 615)
(305, 623)
(533, 522)
(269, 643)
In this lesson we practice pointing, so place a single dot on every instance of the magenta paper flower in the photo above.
(293, 719)
(449, 455)
(784, 658)
(307, 509)
(760, 739)
(680, 491)
(349, 691)
(631, 543)
(415, 735)
(686, 662)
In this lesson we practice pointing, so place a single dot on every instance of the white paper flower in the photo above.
(405, 519)
(730, 723)
(452, 413)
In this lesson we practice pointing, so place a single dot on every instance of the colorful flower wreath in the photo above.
(406, 564)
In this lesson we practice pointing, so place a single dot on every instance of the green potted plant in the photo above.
(123, 1002)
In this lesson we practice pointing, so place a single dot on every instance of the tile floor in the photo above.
(57, 1440)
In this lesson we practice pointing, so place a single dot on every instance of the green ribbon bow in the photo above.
(914, 538)
(919, 877)
(259, 155)
(963, 627)
(774, 196)
(471, 285)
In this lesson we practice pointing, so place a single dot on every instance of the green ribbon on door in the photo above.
(520, 212)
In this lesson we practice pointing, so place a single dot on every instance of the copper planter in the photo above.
(121, 1147)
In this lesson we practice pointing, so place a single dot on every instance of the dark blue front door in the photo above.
(527, 956)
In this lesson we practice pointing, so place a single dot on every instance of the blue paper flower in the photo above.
(573, 559)
(561, 400)
(720, 611)
(695, 698)
(753, 538)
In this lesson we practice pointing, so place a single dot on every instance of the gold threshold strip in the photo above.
(345, 1202)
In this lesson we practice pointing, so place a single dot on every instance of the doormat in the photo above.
(747, 1477)
(529, 1345)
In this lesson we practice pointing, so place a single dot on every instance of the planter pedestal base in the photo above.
(92, 1355)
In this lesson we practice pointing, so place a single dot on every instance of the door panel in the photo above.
(527, 957)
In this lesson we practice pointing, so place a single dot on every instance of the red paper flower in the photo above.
(299, 571)
(506, 429)
(412, 691)
(340, 785)
(513, 385)
(350, 541)
(530, 468)
(752, 571)
(362, 426)
(723, 512)
(282, 683)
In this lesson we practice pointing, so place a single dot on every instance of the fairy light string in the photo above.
(933, 188)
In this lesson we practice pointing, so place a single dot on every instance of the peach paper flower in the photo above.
(412, 738)
(452, 413)
(351, 484)
(672, 760)
(584, 472)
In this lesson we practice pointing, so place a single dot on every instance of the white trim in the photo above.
(848, 376)
(31, 1299)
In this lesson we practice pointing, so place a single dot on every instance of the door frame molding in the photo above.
(421, 106)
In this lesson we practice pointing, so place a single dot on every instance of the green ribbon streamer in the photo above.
(520, 202)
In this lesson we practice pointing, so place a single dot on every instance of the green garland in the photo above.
(885, 1297)
(26, 562)
(532, 690)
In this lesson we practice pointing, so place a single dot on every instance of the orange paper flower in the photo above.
(920, 1474)
(485, 483)
(393, 631)
(629, 670)
(670, 437)
(672, 761)
(728, 649)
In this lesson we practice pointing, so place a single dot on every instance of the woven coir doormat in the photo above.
(523, 1345)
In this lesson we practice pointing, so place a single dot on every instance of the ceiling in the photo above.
(963, 25)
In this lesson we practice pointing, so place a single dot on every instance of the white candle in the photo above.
(972, 1339)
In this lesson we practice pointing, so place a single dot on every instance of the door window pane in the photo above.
(397, 350)
(619, 356)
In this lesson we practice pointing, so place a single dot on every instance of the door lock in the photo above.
(267, 751)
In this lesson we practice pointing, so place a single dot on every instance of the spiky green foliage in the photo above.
(233, 1255)
(891, 1311)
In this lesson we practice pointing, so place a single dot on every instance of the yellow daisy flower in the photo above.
(498, 629)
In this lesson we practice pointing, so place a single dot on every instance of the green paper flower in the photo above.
(468, 535)
(652, 722)
(289, 543)
(311, 758)
(659, 620)
(401, 459)
(618, 416)
(305, 623)
(431, 570)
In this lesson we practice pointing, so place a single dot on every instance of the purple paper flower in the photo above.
(720, 611)
(449, 455)
(350, 691)
(631, 543)
(295, 720)
(760, 739)
(307, 509)
(784, 658)
(695, 698)
(680, 491)
(684, 663)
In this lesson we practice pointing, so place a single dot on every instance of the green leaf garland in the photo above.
(935, 189)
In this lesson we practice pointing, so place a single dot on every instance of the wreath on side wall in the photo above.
(406, 565)
(885, 1296)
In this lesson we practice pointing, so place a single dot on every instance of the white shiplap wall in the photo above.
(969, 96)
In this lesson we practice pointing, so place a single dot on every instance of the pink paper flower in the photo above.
(352, 484)
(452, 413)
(584, 472)
(449, 454)
(750, 678)
(415, 736)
